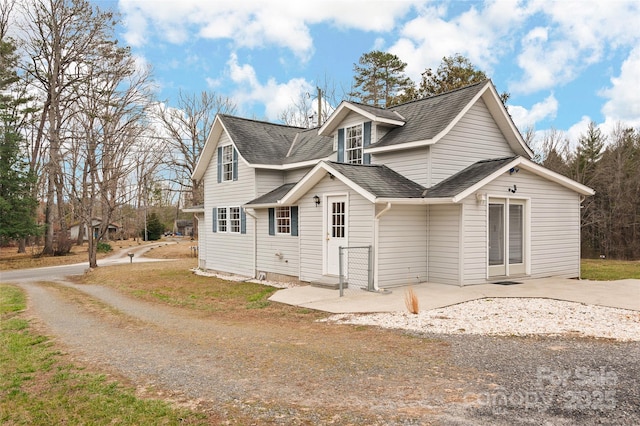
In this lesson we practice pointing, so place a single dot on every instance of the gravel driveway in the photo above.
(288, 371)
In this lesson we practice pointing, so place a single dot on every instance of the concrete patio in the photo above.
(623, 294)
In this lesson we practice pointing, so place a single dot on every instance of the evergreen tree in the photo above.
(17, 206)
(380, 80)
(454, 72)
(155, 228)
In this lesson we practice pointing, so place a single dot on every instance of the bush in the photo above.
(103, 247)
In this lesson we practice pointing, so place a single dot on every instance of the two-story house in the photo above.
(443, 189)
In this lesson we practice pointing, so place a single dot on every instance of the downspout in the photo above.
(375, 242)
(255, 242)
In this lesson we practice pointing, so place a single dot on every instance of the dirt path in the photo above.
(288, 371)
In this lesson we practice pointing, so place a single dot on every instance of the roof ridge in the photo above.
(458, 89)
(253, 120)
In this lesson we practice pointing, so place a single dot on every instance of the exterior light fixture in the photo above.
(316, 200)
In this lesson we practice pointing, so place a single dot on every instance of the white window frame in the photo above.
(227, 163)
(222, 218)
(282, 220)
(235, 222)
(353, 144)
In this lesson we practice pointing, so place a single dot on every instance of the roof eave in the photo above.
(341, 112)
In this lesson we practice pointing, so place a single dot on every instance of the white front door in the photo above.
(336, 229)
(506, 229)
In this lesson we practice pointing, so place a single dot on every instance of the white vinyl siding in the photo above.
(293, 176)
(554, 227)
(444, 244)
(228, 252)
(402, 246)
(267, 180)
(475, 137)
(412, 164)
(359, 226)
(278, 254)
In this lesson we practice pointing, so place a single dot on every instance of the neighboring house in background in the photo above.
(183, 227)
(112, 231)
(443, 189)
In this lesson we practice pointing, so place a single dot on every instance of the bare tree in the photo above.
(187, 126)
(61, 35)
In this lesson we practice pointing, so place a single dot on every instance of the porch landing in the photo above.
(616, 294)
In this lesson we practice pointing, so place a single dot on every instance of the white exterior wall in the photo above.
(412, 164)
(475, 137)
(267, 180)
(311, 225)
(554, 227)
(402, 246)
(443, 263)
(226, 252)
(269, 245)
(293, 176)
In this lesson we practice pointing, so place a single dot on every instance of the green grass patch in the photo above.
(609, 270)
(38, 387)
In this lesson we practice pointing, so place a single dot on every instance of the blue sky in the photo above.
(565, 63)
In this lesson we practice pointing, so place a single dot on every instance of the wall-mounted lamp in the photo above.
(513, 190)
(481, 197)
(316, 200)
(513, 170)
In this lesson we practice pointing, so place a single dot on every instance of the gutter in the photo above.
(376, 237)
(255, 239)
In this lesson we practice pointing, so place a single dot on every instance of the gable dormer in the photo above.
(354, 127)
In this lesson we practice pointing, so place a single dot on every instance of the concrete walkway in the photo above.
(616, 294)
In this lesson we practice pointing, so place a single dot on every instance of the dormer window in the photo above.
(353, 144)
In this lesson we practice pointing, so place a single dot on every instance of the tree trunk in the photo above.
(22, 245)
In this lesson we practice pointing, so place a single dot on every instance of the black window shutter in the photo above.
(214, 216)
(366, 158)
(272, 221)
(294, 221)
(219, 165)
(340, 145)
(243, 221)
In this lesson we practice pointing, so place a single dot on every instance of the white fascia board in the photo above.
(290, 166)
(261, 206)
(208, 150)
(415, 201)
(504, 121)
(555, 177)
(400, 146)
(533, 168)
(330, 125)
(190, 210)
(314, 176)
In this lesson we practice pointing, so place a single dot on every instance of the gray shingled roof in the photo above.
(309, 146)
(427, 117)
(379, 180)
(273, 196)
(260, 142)
(377, 111)
(466, 178)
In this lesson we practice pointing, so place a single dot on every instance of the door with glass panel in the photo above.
(336, 228)
(506, 237)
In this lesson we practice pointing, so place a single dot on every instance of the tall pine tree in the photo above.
(379, 79)
(17, 206)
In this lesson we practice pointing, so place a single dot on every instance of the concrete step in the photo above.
(329, 284)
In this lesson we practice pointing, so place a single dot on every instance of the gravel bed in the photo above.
(511, 317)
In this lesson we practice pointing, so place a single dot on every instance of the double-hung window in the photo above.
(222, 219)
(353, 144)
(283, 220)
(234, 220)
(227, 163)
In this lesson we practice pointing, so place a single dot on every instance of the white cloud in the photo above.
(479, 34)
(576, 35)
(524, 118)
(624, 94)
(276, 97)
(254, 23)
